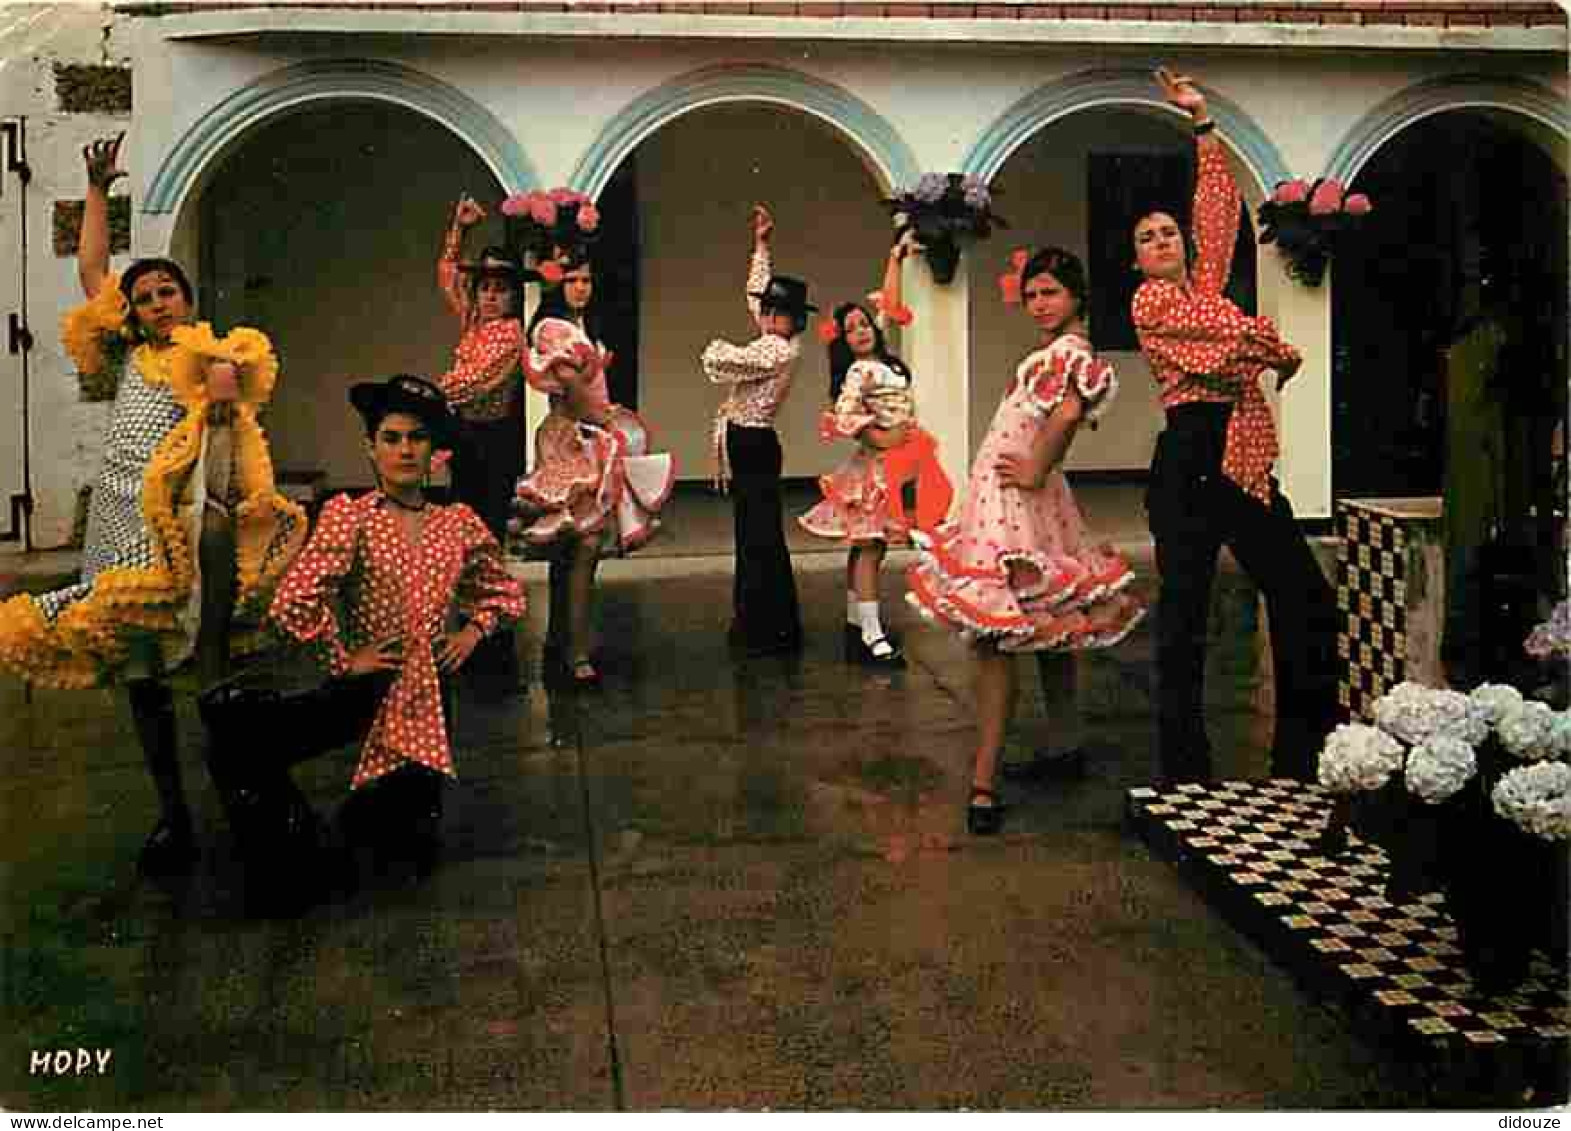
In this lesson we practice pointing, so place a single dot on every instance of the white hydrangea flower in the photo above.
(1526, 732)
(1413, 713)
(1537, 798)
(1358, 757)
(1497, 700)
(1438, 768)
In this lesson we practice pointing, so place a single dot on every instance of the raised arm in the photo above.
(466, 213)
(1214, 214)
(102, 159)
(760, 265)
(891, 309)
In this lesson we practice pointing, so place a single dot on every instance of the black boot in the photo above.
(171, 848)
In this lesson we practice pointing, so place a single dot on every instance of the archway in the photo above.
(322, 226)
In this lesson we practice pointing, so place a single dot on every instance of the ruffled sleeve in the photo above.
(759, 268)
(851, 414)
(93, 333)
(303, 606)
(488, 596)
(1068, 363)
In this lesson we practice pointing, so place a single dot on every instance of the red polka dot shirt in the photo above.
(358, 559)
(1195, 339)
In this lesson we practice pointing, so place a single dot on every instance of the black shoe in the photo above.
(859, 651)
(168, 851)
(984, 820)
(1046, 766)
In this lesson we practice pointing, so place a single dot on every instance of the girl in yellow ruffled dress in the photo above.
(185, 533)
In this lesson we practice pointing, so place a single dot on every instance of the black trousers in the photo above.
(487, 461)
(1194, 510)
(764, 592)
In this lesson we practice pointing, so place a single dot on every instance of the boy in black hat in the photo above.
(398, 567)
(747, 449)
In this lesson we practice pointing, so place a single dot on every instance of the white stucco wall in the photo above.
(65, 433)
(556, 96)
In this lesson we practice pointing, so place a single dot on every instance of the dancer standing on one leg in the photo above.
(185, 533)
(766, 617)
(871, 393)
(1211, 481)
(484, 389)
(1016, 571)
(595, 485)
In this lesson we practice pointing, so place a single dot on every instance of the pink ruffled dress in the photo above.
(1016, 567)
(589, 478)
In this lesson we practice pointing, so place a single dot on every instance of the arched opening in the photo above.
(1470, 211)
(322, 227)
(694, 181)
(1080, 182)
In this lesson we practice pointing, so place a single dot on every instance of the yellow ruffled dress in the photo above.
(140, 581)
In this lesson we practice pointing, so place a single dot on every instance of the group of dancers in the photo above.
(191, 552)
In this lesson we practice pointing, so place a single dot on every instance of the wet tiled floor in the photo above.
(716, 883)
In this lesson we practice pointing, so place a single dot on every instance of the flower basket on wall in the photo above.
(544, 226)
(1469, 795)
(941, 210)
(1308, 221)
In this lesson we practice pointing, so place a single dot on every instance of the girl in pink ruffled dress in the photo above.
(1016, 571)
(873, 404)
(595, 486)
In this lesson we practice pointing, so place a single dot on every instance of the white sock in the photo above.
(867, 616)
(853, 609)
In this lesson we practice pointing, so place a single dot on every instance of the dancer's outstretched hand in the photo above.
(457, 647)
(469, 212)
(1182, 92)
(379, 656)
(1287, 371)
(102, 158)
(763, 224)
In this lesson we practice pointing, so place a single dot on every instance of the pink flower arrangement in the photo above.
(543, 212)
(1326, 197)
(1295, 191)
(548, 221)
(1305, 221)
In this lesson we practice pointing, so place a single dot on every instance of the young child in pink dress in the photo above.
(1016, 571)
(872, 403)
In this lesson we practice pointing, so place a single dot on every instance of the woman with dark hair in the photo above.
(1211, 481)
(186, 533)
(484, 390)
(766, 618)
(870, 391)
(595, 486)
(1016, 572)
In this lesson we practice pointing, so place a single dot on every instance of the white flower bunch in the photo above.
(1436, 769)
(1559, 741)
(1537, 798)
(1414, 713)
(1358, 757)
(1526, 733)
(1496, 700)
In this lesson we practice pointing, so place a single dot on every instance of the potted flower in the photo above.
(543, 224)
(940, 209)
(1469, 794)
(1306, 221)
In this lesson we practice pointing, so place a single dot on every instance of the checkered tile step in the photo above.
(1371, 600)
(1250, 848)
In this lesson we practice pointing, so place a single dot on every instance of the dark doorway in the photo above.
(616, 275)
(1464, 205)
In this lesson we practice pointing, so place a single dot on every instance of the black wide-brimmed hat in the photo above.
(786, 294)
(408, 394)
(497, 260)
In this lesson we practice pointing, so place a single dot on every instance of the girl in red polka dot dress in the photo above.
(1016, 572)
(1211, 481)
(484, 390)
